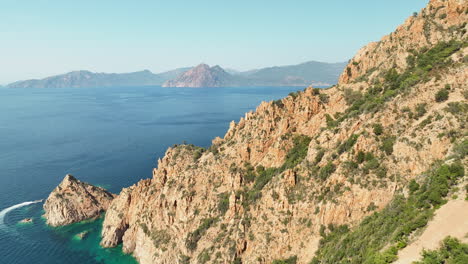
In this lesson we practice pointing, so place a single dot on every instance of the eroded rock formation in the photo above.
(73, 201)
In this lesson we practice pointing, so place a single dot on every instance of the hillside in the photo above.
(304, 74)
(350, 174)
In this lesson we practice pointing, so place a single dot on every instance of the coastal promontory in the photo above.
(73, 201)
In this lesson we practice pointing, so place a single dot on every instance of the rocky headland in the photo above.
(74, 201)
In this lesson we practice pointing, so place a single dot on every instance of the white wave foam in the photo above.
(11, 208)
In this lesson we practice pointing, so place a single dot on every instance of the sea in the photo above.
(111, 137)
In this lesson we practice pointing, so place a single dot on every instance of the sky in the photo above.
(39, 38)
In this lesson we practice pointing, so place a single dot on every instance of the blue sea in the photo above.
(111, 137)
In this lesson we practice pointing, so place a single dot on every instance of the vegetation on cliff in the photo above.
(391, 227)
(451, 251)
(361, 166)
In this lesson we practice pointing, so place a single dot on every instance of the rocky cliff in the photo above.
(292, 171)
(73, 201)
(284, 175)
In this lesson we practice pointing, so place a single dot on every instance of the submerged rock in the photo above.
(73, 201)
(82, 235)
(26, 221)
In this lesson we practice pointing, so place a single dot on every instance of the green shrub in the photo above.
(184, 259)
(461, 149)
(442, 95)
(457, 108)
(330, 121)
(327, 170)
(351, 96)
(360, 157)
(420, 110)
(264, 178)
(223, 203)
(390, 227)
(298, 152)
(413, 186)
(381, 172)
(451, 251)
(348, 144)
(378, 129)
(249, 173)
(387, 145)
(192, 239)
(291, 260)
(324, 98)
(293, 94)
(160, 237)
(278, 103)
(438, 56)
(371, 164)
(197, 153)
(204, 257)
(319, 156)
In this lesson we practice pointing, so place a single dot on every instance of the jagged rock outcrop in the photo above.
(439, 21)
(73, 201)
(313, 159)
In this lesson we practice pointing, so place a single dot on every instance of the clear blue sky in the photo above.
(40, 38)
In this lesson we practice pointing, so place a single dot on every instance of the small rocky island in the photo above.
(74, 201)
(82, 235)
(26, 221)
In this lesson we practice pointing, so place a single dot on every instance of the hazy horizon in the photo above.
(46, 38)
(168, 70)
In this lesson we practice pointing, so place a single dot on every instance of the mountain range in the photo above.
(80, 79)
(309, 73)
(315, 73)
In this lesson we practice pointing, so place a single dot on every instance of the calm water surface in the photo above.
(110, 137)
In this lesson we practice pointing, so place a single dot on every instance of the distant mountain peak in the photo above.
(201, 76)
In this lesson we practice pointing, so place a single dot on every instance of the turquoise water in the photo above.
(111, 137)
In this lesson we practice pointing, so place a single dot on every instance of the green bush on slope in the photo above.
(291, 260)
(262, 176)
(451, 251)
(420, 67)
(391, 226)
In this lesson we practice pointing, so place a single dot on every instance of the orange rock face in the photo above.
(74, 201)
(222, 206)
